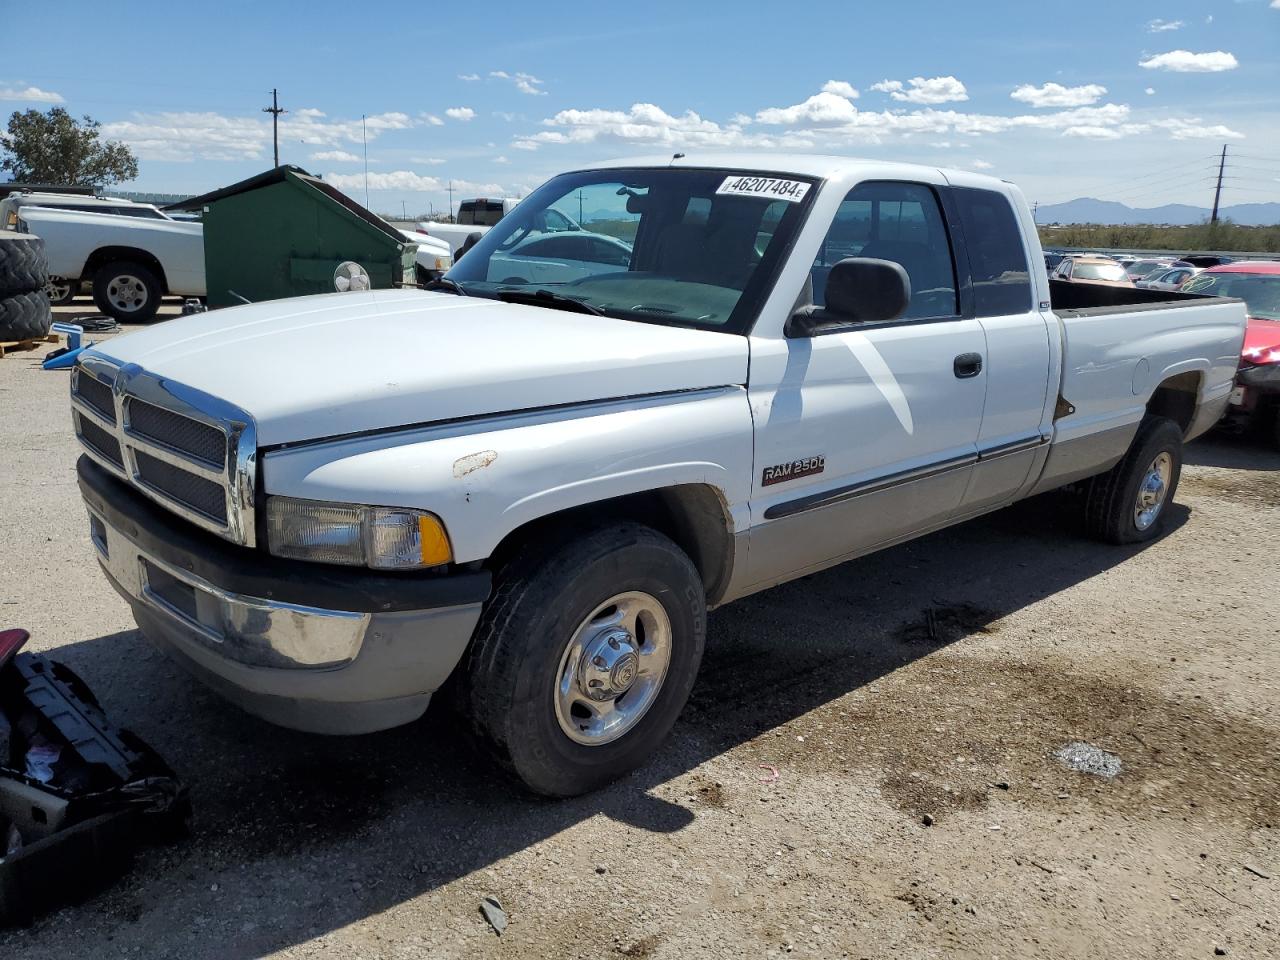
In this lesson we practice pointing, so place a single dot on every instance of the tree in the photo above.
(56, 148)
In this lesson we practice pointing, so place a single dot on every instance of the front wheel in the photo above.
(1128, 503)
(61, 292)
(585, 657)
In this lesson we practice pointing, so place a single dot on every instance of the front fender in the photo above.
(486, 478)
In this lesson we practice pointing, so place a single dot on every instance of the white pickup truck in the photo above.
(474, 219)
(131, 254)
(542, 488)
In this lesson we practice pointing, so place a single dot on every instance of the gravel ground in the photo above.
(919, 809)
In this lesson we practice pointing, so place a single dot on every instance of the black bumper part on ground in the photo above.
(257, 573)
(77, 795)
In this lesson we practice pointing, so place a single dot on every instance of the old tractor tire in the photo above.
(25, 316)
(23, 264)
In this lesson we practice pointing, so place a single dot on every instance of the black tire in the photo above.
(147, 301)
(25, 316)
(508, 679)
(1112, 498)
(61, 292)
(23, 265)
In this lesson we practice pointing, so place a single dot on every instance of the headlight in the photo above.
(444, 263)
(385, 538)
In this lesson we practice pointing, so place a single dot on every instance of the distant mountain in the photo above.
(1090, 210)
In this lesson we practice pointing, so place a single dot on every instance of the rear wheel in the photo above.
(585, 656)
(1128, 503)
(128, 292)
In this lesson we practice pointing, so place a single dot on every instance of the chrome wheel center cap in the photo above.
(609, 666)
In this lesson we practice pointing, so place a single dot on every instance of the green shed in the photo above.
(284, 232)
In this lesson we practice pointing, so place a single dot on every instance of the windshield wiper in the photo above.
(444, 283)
(548, 298)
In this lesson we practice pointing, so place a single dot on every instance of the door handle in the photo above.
(967, 365)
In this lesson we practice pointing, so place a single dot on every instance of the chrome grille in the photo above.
(190, 452)
(176, 431)
(99, 439)
(96, 394)
(199, 494)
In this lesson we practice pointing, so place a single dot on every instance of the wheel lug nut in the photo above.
(613, 642)
(599, 662)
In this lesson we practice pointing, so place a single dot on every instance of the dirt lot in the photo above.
(384, 846)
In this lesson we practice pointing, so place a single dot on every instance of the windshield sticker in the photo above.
(792, 191)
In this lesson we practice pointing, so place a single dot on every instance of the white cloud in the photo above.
(1275, 4)
(1151, 91)
(646, 123)
(921, 90)
(1088, 132)
(404, 180)
(840, 88)
(469, 77)
(525, 82)
(821, 108)
(310, 112)
(31, 95)
(1193, 128)
(1163, 26)
(1056, 95)
(429, 161)
(336, 156)
(981, 165)
(191, 135)
(432, 120)
(460, 113)
(501, 160)
(1184, 61)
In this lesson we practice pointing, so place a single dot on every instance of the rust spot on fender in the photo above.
(473, 462)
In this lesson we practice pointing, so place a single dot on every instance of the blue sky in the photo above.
(498, 97)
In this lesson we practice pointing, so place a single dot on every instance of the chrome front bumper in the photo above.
(298, 664)
(248, 630)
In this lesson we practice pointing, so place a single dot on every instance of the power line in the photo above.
(1167, 174)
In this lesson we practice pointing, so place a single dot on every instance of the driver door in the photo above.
(867, 435)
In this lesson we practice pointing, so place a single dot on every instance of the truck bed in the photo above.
(1068, 297)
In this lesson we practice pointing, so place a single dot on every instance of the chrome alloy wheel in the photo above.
(127, 293)
(613, 668)
(1152, 491)
(58, 289)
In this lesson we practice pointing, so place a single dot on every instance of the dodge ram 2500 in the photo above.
(546, 484)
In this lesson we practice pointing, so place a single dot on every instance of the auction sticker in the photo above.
(770, 188)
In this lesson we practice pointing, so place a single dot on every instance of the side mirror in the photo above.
(859, 290)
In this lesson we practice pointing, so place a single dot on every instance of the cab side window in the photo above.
(997, 259)
(901, 222)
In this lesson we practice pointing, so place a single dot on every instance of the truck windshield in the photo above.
(696, 248)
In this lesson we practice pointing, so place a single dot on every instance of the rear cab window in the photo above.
(997, 257)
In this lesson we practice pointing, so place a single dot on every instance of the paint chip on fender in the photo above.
(473, 462)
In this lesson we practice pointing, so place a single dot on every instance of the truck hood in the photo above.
(1261, 338)
(347, 363)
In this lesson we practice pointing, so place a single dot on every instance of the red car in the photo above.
(1256, 398)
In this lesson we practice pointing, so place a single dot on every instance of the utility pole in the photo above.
(451, 201)
(1034, 208)
(1217, 194)
(275, 112)
(364, 136)
(404, 211)
(579, 206)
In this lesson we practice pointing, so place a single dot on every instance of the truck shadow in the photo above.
(301, 835)
(1251, 451)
